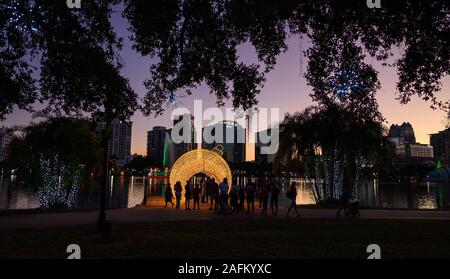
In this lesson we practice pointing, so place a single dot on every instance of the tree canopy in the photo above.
(75, 142)
(75, 53)
(448, 120)
(197, 41)
(333, 143)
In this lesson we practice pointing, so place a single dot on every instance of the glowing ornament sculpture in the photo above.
(209, 162)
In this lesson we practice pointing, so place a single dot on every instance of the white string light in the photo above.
(53, 192)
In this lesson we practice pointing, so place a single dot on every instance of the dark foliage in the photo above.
(76, 50)
(75, 141)
(197, 41)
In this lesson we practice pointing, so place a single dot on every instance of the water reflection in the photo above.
(13, 194)
(131, 191)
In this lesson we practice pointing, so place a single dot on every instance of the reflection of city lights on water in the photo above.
(111, 186)
(426, 202)
(305, 192)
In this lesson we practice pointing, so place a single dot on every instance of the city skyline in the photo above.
(161, 130)
(286, 79)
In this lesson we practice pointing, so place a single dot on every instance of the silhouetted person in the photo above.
(241, 194)
(223, 195)
(292, 195)
(203, 190)
(178, 189)
(208, 189)
(274, 193)
(168, 195)
(196, 196)
(265, 198)
(187, 195)
(258, 193)
(250, 192)
(214, 194)
(196, 193)
(344, 203)
(234, 199)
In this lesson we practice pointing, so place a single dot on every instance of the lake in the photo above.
(126, 192)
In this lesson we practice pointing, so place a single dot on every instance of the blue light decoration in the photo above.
(18, 19)
(345, 82)
(172, 98)
(54, 191)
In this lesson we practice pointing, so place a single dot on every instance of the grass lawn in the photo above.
(235, 239)
(14, 212)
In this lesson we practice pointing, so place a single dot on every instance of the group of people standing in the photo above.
(223, 200)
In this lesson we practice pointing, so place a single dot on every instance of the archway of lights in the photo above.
(196, 161)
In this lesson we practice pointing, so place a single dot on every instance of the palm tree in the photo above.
(74, 140)
(332, 143)
(298, 145)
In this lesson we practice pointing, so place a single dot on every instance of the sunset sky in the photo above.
(285, 88)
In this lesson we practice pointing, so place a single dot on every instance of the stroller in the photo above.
(353, 208)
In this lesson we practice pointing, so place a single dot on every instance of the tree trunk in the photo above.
(328, 177)
(316, 188)
(105, 175)
(354, 189)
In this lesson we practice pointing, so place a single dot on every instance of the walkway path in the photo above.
(156, 214)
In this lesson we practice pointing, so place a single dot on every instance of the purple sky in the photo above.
(285, 88)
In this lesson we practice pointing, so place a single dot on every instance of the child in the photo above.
(168, 195)
(187, 195)
(178, 189)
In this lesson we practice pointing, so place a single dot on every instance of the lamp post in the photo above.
(102, 213)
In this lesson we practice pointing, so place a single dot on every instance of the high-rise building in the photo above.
(416, 150)
(155, 145)
(411, 151)
(119, 144)
(441, 146)
(185, 145)
(6, 137)
(410, 154)
(232, 140)
(261, 142)
(404, 133)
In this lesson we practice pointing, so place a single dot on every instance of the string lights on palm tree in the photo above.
(60, 183)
